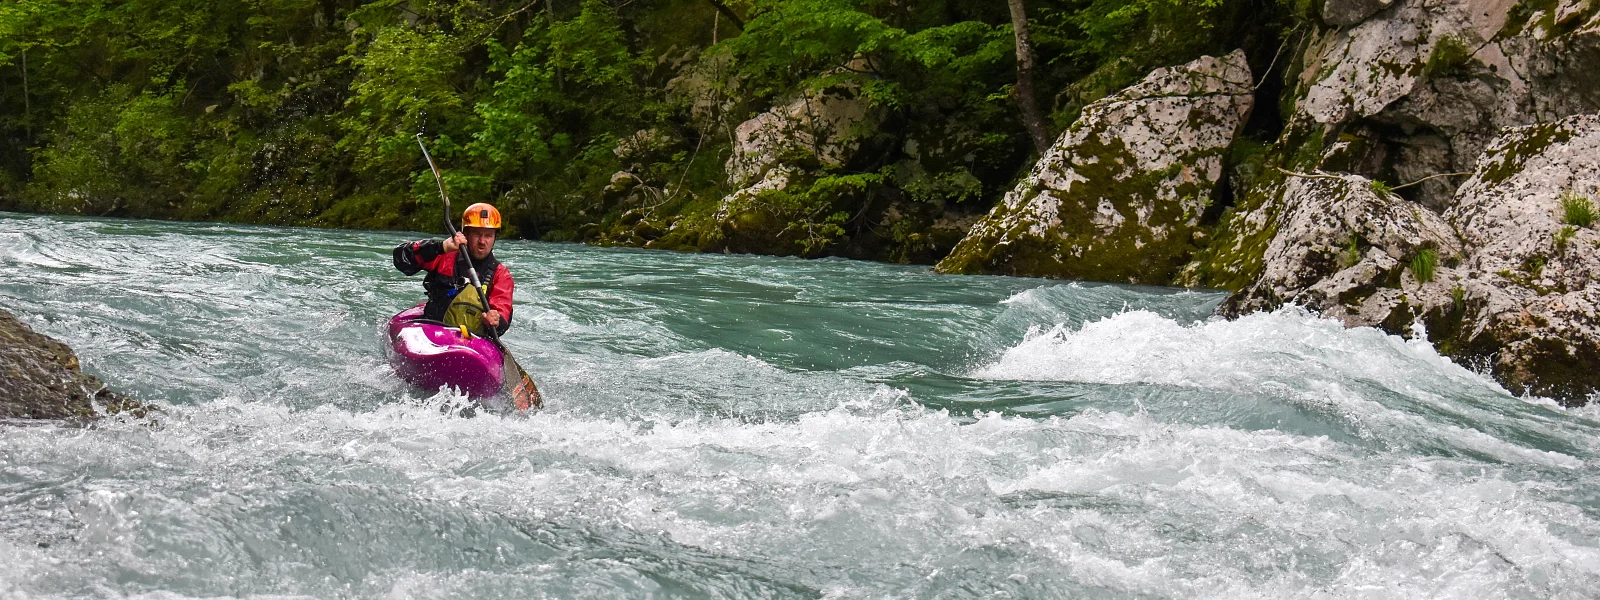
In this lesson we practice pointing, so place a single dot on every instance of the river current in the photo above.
(742, 426)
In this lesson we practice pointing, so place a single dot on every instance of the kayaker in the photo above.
(451, 297)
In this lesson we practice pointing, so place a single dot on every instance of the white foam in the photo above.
(1290, 344)
(661, 463)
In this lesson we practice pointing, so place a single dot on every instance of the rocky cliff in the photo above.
(1434, 174)
(1431, 181)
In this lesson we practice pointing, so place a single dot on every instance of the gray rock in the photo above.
(1530, 289)
(822, 128)
(1430, 82)
(792, 144)
(1512, 283)
(42, 379)
(1349, 12)
(644, 144)
(1120, 195)
(1336, 243)
(708, 92)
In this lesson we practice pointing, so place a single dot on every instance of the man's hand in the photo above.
(491, 318)
(454, 243)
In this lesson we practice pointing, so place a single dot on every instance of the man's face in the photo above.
(480, 241)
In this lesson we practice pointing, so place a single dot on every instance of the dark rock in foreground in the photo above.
(40, 379)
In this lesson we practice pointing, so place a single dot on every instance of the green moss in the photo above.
(1521, 15)
(1080, 249)
(1529, 142)
(1444, 324)
(1541, 15)
(1236, 254)
(1308, 153)
(1345, 158)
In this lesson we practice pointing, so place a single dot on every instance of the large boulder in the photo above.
(1341, 247)
(42, 379)
(707, 91)
(1505, 277)
(1120, 195)
(777, 156)
(1426, 84)
(1532, 283)
(816, 130)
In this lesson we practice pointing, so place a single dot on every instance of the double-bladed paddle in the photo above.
(516, 383)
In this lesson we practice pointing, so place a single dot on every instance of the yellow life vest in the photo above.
(466, 310)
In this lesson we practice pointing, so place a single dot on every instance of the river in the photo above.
(743, 426)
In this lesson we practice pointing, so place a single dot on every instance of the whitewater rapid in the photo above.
(735, 426)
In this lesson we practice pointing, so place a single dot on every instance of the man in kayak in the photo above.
(451, 297)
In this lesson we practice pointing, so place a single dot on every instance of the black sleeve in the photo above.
(410, 256)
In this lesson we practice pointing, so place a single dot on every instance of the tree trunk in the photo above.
(27, 105)
(1023, 91)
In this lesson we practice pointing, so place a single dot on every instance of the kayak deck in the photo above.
(431, 355)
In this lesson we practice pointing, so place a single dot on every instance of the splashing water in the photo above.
(735, 426)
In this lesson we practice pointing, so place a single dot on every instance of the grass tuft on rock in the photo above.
(1381, 189)
(1577, 209)
(1449, 57)
(1423, 264)
(1351, 253)
(1563, 238)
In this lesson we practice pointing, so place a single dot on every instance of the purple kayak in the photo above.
(430, 355)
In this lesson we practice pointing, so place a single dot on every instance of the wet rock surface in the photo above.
(1480, 114)
(40, 378)
(1120, 194)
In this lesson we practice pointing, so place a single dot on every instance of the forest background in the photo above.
(304, 112)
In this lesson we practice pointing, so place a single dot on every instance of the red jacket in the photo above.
(429, 255)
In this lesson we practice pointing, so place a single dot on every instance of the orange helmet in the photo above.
(481, 215)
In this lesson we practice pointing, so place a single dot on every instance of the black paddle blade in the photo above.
(519, 386)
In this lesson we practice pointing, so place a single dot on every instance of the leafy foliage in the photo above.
(305, 111)
(404, 75)
(1383, 190)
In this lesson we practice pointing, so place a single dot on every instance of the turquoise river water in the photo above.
(754, 427)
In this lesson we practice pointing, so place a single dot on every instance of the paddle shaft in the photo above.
(472, 271)
(525, 393)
